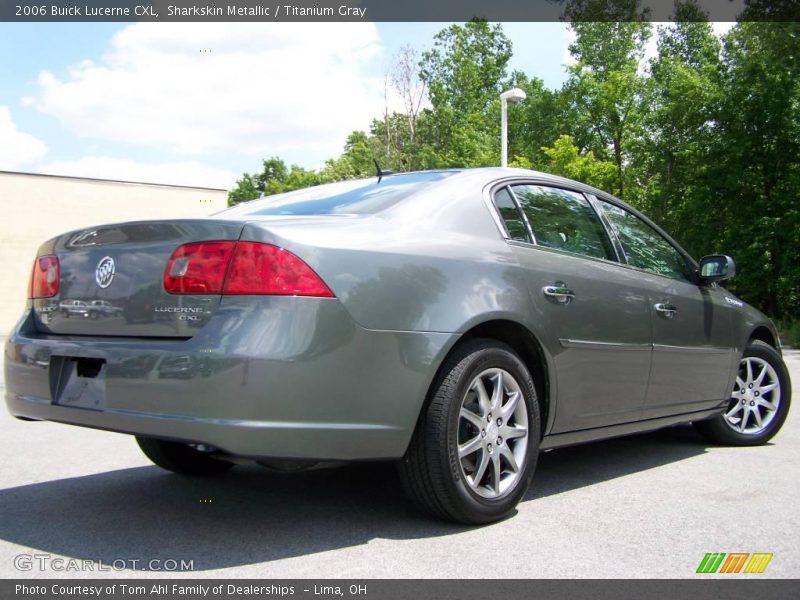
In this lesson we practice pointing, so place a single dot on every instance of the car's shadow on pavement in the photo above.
(251, 515)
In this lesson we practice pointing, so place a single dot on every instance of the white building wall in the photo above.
(34, 208)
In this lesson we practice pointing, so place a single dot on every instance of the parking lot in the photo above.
(645, 506)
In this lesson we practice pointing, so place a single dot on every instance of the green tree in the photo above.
(566, 159)
(537, 122)
(680, 127)
(465, 72)
(759, 161)
(274, 178)
(606, 89)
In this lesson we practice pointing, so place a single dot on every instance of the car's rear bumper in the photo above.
(266, 377)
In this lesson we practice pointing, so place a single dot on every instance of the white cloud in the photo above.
(17, 148)
(254, 88)
(191, 173)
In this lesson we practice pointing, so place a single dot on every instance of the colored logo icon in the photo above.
(734, 562)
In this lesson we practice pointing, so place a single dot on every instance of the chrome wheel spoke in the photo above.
(734, 410)
(484, 402)
(757, 416)
(477, 476)
(765, 389)
(760, 377)
(470, 447)
(508, 455)
(512, 433)
(496, 473)
(511, 405)
(499, 390)
(767, 404)
(745, 414)
(472, 418)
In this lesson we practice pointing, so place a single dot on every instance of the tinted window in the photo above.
(564, 220)
(644, 247)
(511, 216)
(348, 197)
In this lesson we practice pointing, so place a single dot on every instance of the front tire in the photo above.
(475, 447)
(181, 458)
(759, 402)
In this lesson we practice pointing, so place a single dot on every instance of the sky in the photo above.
(199, 103)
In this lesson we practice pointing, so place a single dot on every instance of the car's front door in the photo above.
(692, 332)
(593, 309)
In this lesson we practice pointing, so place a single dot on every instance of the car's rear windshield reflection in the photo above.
(362, 196)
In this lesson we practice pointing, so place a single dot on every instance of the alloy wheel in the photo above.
(493, 433)
(756, 397)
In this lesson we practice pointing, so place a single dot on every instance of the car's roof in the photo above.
(492, 174)
(485, 176)
(372, 195)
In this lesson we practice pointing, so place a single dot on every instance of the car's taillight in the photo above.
(265, 269)
(240, 268)
(45, 277)
(198, 268)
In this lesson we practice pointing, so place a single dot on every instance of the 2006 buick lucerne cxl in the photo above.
(456, 321)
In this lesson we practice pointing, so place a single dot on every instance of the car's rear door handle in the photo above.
(666, 310)
(558, 293)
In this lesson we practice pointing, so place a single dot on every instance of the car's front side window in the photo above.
(564, 220)
(644, 247)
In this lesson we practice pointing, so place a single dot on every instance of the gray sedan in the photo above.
(456, 322)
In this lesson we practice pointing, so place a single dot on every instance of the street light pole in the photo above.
(511, 96)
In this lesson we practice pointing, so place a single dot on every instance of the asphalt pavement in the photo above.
(81, 503)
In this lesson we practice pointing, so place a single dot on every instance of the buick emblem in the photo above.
(104, 274)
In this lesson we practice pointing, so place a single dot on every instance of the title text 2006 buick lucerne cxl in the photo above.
(456, 321)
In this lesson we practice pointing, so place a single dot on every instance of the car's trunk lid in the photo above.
(111, 280)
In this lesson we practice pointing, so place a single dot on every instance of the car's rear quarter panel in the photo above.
(277, 377)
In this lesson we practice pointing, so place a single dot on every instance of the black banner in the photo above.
(394, 589)
(394, 10)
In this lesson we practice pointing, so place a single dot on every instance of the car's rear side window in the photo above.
(511, 216)
(564, 220)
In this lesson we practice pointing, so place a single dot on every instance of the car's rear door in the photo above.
(593, 309)
(692, 332)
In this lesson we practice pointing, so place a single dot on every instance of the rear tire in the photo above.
(759, 403)
(181, 458)
(458, 465)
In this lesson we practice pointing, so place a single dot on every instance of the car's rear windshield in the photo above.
(361, 196)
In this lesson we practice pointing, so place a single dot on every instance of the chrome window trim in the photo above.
(529, 246)
(612, 235)
(531, 235)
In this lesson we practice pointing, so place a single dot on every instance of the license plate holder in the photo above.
(78, 382)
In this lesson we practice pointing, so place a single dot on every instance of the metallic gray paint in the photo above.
(345, 378)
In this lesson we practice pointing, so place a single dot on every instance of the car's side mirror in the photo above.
(716, 267)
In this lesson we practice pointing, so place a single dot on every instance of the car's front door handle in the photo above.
(666, 310)
(558, 293)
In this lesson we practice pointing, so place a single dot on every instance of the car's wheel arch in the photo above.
(764, 334)
(525, 344)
